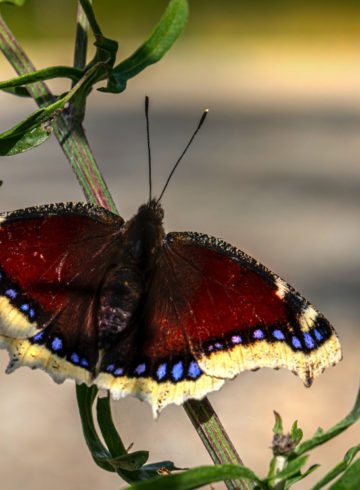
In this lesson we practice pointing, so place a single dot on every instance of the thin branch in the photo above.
(215, 438)
(71, 137)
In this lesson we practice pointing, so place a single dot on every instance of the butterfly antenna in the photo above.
(148, 144)
(183, 153)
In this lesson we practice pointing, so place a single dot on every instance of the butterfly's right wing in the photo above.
(210, 313)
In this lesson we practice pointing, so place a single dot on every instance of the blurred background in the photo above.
(274, 171)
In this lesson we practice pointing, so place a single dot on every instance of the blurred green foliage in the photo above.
(209, 18)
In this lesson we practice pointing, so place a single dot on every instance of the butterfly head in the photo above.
(152, 211)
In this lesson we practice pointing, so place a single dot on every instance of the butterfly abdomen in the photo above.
(119, 299)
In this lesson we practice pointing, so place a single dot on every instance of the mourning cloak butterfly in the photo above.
(164, 317)
(126, 307)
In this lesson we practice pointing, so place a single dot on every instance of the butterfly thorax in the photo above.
(126, 281)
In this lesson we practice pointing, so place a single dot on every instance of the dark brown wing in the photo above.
(210, 313)
(53, 259)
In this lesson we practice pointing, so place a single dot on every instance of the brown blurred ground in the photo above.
(276, 172)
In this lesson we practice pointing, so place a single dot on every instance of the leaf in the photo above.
(107, 427)
(45, 74)
(278, 426)
(19, 91)
(320, 436)
(85, 398)
(35, 129)
(197, 477)
(296, 433)
(130, 462)
(25, 141)
(338, 469)
(153, 49)
(350, 480)
(299, 477)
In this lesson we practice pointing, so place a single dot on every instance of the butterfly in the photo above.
(163, 317)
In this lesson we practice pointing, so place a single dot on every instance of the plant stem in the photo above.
(214, 437)
(72, 140)
(77, 105)
(71, 136)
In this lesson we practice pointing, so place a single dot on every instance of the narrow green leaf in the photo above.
(44, 74)
(299, 477)
(351, 453)
(296, 433)
(19, 91)
(197, 477)
(278, 426)
(321, 437)
(153, 49)
(350, 480)
(338, 469)
(33, 130)
(108, 429)
(20, 143)
(85, 398)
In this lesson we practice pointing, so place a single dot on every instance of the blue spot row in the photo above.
(177, 372)
(299, 341)
(56, 345)
(75, 359)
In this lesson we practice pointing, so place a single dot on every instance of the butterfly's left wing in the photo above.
(52, 261)
(212, 312)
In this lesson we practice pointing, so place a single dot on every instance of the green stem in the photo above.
(71, 137)
(214, 438)
(82, 28)
(86, 5)
(78, 104)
